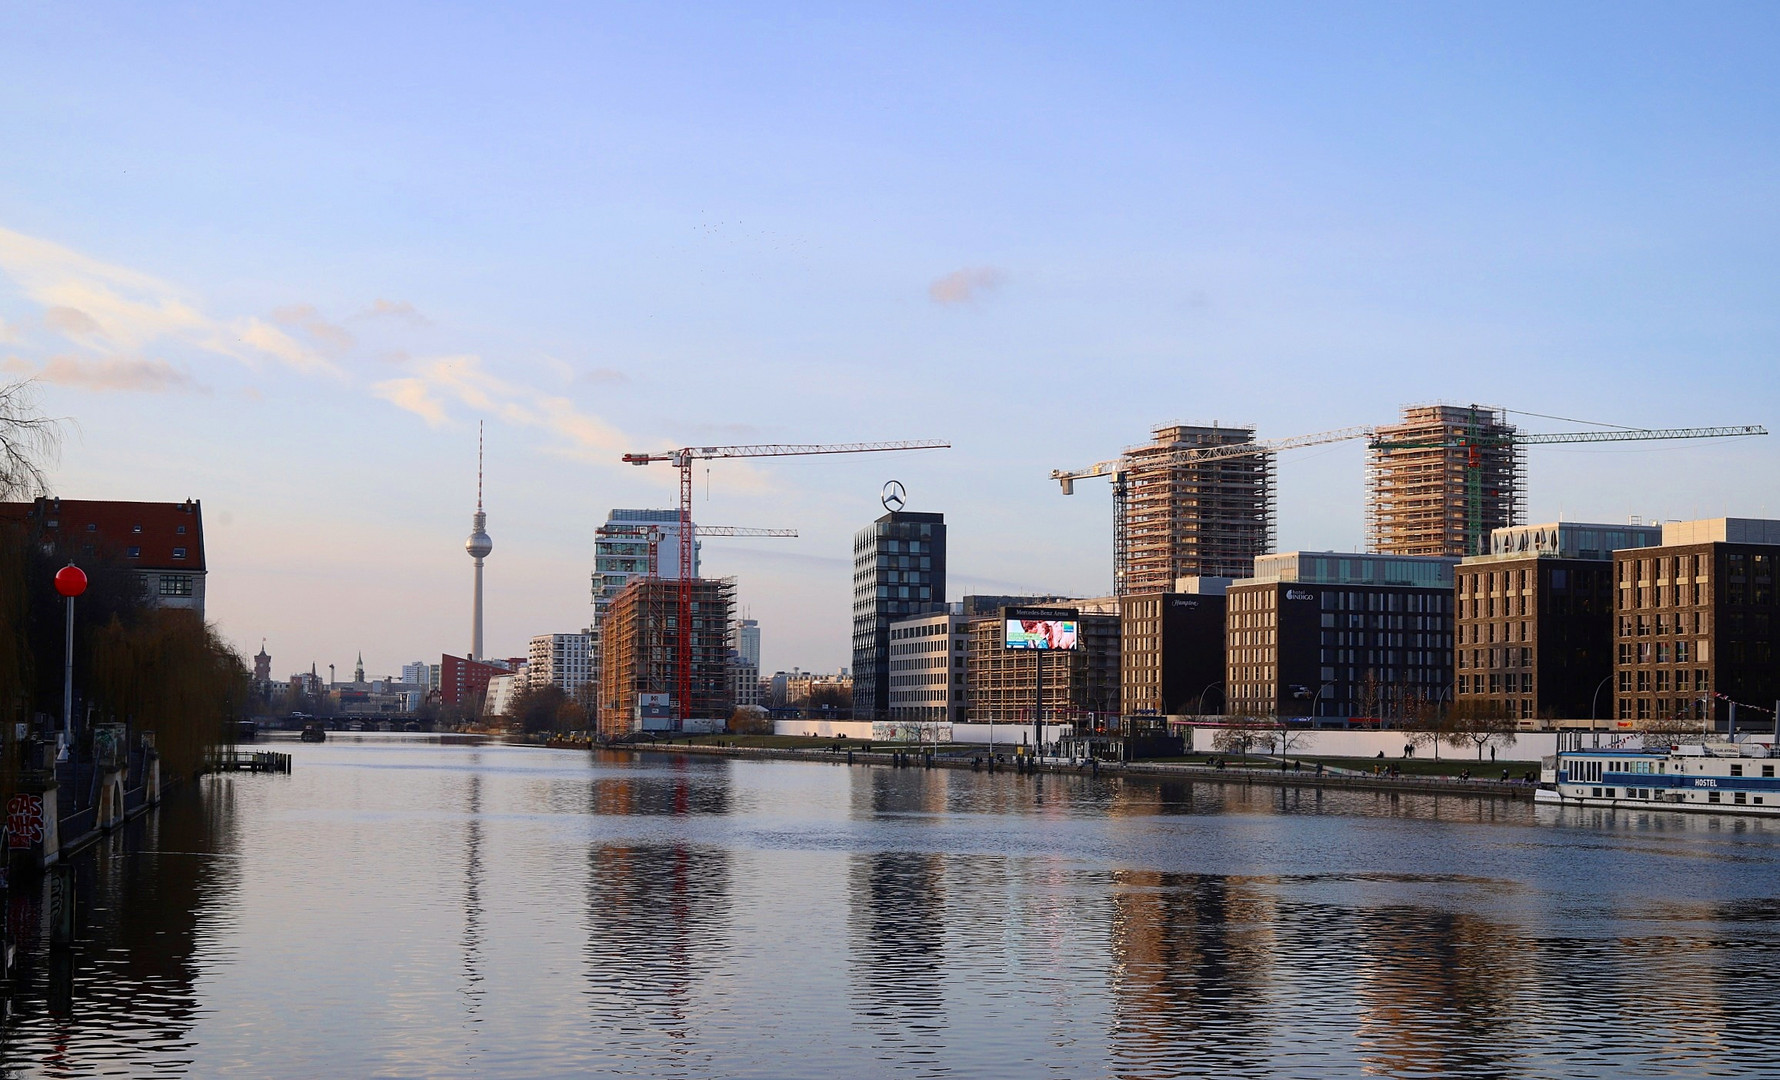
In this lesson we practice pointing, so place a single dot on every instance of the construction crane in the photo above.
(1118, 467)
(682, 459)
(1476, 439)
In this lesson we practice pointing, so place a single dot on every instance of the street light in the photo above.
(1595, 701)
(1314, 700)
(1204, 692)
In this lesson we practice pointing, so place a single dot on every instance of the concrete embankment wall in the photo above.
(1527, 745)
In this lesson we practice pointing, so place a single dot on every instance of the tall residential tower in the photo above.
(1440, 481)
(1198, 519)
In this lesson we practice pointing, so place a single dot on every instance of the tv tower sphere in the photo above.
(479, 545)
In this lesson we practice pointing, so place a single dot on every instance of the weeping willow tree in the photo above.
(169, 673)
(28, 445)
(29, 442)
(15, 652)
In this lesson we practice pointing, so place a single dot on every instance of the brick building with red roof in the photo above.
(163, 541)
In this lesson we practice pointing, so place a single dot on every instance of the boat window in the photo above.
(1711, 796)
(1739, 798)
(1736, 770)
(1767, 770)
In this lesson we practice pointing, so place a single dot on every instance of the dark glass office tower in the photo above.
(899, 569)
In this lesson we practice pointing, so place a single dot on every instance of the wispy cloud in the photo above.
(966, 286)
(106, 375)
(400, 310)
(605, 376)
(116, 313)
(434, 384)
(306, 318)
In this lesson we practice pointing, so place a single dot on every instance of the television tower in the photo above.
(478, 545)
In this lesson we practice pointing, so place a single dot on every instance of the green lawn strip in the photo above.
(771, 742)
(1445, 767)
(1420, 766)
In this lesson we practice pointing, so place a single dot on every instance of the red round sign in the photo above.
(71, 580)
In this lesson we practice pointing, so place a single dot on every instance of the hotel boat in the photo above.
(1712, 777)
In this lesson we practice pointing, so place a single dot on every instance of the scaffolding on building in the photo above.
(641, 650)
(1439, 480)
(1194, 517)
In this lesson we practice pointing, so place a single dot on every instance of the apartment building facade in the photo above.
(1329, 634)
(1695, 624)
(1534, 620)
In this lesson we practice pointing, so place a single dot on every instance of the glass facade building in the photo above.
(899, 569)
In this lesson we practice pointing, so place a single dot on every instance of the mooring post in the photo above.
(61, 906)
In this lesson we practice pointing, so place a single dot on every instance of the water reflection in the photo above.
(1439, 992)
(657, 917)
(896, 908)
(495, 911)
(667, 784)
(1191, 959)
(471, 988)
(148, 900)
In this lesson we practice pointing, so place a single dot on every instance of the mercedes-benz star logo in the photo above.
(894, 496)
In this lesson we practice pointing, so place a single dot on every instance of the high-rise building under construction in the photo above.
(1440, 480)
(1206, 518)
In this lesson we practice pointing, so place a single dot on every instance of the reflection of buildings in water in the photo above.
(1439, 992)
(657, 923)
(665, 786)
(658, 914)
(896, 915)
(1192, 957)
(900, 791)
(146, 898)
(472, 990)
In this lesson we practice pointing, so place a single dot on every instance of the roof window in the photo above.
(180, 529)
(92, 527)
(135, 528)
(179, 553)
(135, 553)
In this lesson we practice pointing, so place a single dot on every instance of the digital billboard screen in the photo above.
(1042, 628)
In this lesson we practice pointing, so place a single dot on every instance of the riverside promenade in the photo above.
(953, 758)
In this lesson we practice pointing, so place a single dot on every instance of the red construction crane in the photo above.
(682, 459)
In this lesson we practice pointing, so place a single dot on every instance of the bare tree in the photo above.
(1429, 725)
(1241, 736)
(29, 442)
(1482, 725)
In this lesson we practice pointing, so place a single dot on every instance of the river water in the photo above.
(399, 908)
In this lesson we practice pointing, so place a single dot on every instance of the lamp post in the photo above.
(1204, 692)
(1596, 701)
(1314, 700)
(71, 581)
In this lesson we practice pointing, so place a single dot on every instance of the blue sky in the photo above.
(282, 258)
